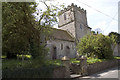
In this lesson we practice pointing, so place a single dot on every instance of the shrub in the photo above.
(96, 46)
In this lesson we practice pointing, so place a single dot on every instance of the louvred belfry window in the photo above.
(61, 46)
(64, 16)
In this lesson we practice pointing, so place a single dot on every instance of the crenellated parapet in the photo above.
(74, 7)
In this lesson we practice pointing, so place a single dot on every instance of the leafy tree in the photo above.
(117, 39)
(22, 33)
(96, 45)
(18, 28)
(47, 18)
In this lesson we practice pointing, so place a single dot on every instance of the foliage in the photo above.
(117, 38)
(29, 63)
(73, 60)
(53, 62)
(26, 56)
(38, 51)
(91, 60)
(35, 63)
(18, 27)
(12, 63)
(96, 45)
(3, 57)
(22, 33)
(18, 56)
(42, 72)
(117, 57)
(47, 18)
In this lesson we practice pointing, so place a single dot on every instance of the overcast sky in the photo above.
(101, 14)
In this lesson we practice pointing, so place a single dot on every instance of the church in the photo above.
(72, 26)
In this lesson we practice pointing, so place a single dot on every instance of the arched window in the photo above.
(54, 54)
(80, 26)
(64, 16)
(61, 46)
(67, 47)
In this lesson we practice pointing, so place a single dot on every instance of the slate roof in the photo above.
(61, 35)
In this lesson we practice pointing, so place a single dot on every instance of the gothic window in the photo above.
(67, 47)
(61, 46)
(80, 26)
(54, 55)
(64, 16)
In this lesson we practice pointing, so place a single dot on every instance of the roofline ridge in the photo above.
(70, 34)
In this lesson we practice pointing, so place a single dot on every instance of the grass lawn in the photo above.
(73, 60)
(54, 62)
(94, 60)
(118, 57)
(12, 63)
(35, 63)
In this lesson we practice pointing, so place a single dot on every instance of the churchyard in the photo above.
(30, 50)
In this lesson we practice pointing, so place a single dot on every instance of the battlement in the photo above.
(74, 7)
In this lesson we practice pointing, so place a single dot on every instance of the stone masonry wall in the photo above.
(69, 17)
(116, 51)
(60, 53)
(74, 20)
(81, 23)
(96, 67)
(59, 72)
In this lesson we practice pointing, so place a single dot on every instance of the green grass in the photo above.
(73, 60)
(3, 57)
(117, 57)
(54, 62)
(12, 63)
(36, 63)
(59, 62)
(26, 56)
(94, 60)
(89, 60)
(20, 56)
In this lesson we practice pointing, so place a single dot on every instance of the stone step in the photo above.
(75, 76)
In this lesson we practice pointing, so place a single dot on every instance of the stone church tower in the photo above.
(74, 20)
(73, 26)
